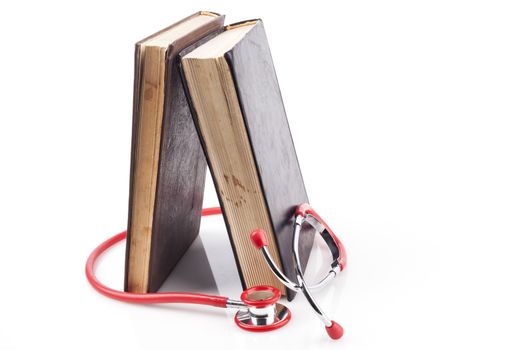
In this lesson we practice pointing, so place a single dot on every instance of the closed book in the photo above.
(240, 116)
(168, 167)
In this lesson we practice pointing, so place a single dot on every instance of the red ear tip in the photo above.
(335, 331)
(259, 238)
(303, 209)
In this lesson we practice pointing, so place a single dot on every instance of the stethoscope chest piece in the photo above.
(262, 312)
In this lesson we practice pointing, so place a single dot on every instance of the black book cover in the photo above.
(264, 116)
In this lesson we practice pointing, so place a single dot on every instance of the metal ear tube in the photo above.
(305, 213)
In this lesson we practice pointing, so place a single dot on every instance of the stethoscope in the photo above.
(259, 309)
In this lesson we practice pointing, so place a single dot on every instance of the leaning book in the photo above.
(168, 167)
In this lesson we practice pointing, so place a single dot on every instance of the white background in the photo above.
(408, 119)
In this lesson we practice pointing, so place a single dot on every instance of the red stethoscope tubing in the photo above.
(147, 298)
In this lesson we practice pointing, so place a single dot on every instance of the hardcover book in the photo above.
(167, 164)
(241, 120)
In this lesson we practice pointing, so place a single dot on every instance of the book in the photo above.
(240, 117)
(168, 167)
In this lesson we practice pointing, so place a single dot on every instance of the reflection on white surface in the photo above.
(220, 256)
(192, 273)
(208, 266)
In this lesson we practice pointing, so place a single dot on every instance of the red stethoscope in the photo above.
(259, 309)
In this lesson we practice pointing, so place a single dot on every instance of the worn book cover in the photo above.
(241, 119)
(167, 163)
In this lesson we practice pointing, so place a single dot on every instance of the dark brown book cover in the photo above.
(181, 166)
(259, 96)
